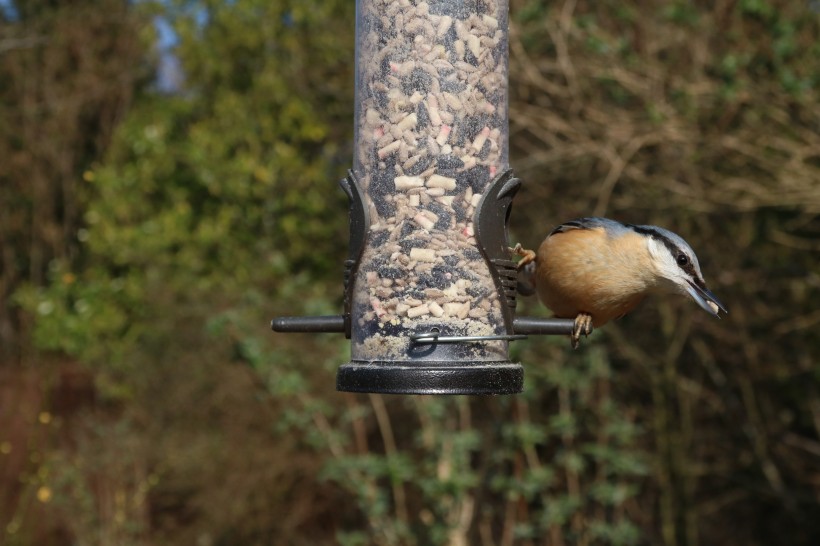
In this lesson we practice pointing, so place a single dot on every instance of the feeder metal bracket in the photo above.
(359, 226)
(491, 219)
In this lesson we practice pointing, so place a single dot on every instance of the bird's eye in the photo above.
(682, 259)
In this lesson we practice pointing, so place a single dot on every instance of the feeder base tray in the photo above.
(431, 377)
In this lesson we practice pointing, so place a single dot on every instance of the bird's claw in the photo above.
(583, 325)
(527, 256)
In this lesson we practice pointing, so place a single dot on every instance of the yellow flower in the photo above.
(44, 494)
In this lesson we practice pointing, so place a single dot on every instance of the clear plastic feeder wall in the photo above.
(431, 135)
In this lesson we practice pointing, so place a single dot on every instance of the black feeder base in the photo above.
(431, 377)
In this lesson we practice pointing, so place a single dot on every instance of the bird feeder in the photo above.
(430, 285)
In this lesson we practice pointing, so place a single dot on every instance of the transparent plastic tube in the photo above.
(431, 133)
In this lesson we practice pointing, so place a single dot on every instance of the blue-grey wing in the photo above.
(592, 222)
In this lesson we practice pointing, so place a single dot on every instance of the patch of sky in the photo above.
(170, 76)
(8, 10)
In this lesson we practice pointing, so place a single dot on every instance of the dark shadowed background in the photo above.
(168, 184)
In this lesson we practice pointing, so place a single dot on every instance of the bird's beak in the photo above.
(705, 299)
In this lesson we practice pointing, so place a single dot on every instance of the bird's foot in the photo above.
(527, 256)
(583, 325)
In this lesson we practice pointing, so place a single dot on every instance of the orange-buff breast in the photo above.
(585, 270)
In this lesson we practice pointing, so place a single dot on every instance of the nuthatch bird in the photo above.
(596, 269)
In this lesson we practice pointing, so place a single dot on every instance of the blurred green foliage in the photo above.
(164, 410)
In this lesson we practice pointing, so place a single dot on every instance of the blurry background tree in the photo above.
(68, 77)
(151, 229)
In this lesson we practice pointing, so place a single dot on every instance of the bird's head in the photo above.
(676, 267)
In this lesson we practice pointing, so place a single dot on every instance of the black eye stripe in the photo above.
(688, 267)
(672, 247)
